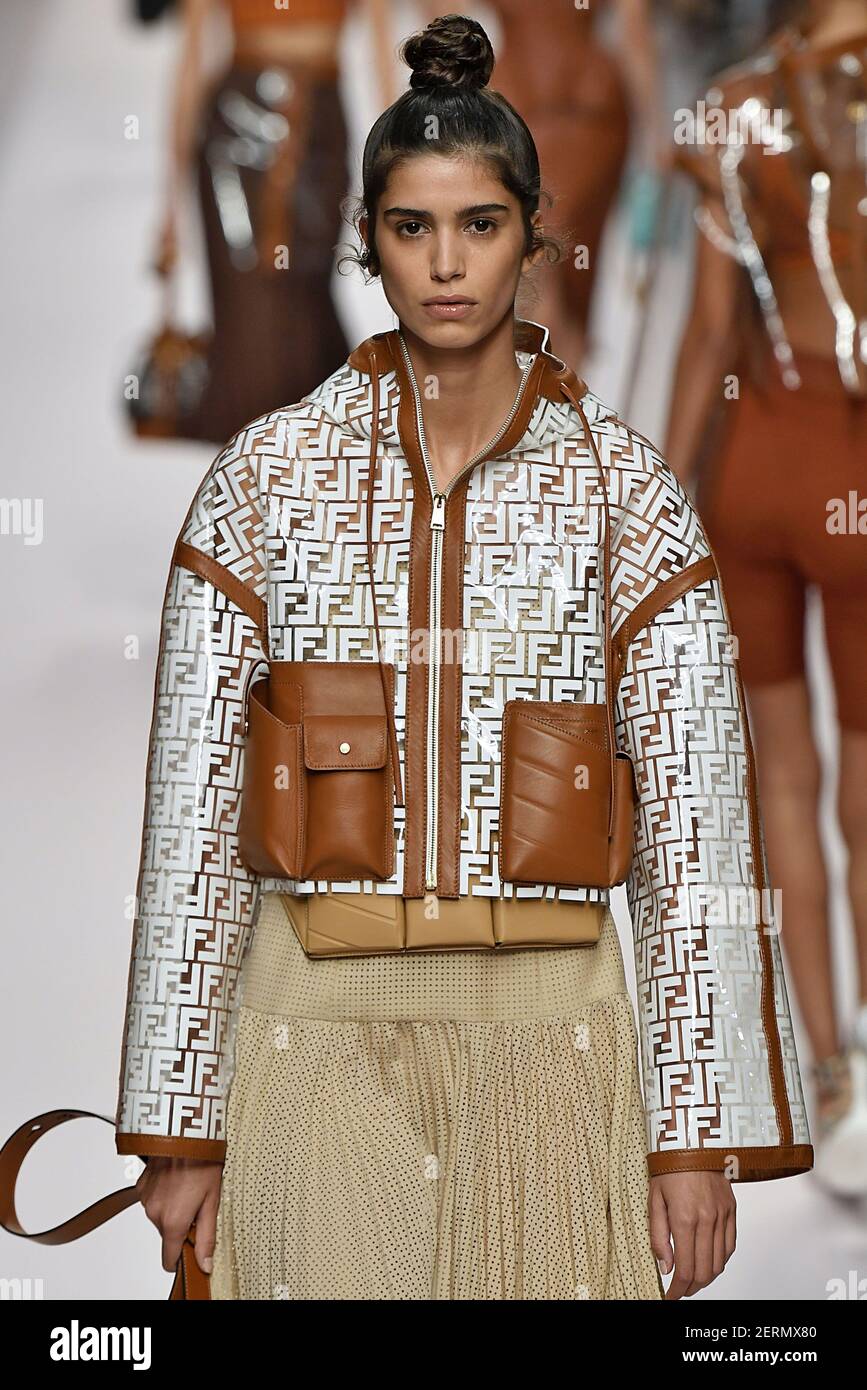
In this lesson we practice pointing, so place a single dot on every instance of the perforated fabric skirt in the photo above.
(447, 1125)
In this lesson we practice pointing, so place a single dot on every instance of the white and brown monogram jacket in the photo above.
(275, 541)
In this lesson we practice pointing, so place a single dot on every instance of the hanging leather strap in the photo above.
(190, 1280)
(606, 604)
(371, 476)
(12, 1156)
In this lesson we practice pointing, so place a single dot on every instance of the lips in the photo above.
(448, 309)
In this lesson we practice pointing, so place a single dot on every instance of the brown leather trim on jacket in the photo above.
(171, 1146)
(661, 598)
(451, 682)
(415, 724)
(754, 1163)
(191, 558)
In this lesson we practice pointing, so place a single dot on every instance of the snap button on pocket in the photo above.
(344, 747)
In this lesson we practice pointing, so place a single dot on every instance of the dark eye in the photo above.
(485, 223)
(402, 226)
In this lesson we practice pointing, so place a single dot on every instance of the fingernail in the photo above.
(208, 1264)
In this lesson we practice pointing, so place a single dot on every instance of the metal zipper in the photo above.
(438, 522)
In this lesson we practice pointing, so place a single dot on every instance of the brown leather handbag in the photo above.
(318, 793)
(190, 1281)
(171, 370)
(322, 770)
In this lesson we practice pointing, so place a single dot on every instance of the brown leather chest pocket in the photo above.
(555, 788)
(318, 794)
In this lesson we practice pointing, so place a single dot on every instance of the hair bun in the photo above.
(453, 51)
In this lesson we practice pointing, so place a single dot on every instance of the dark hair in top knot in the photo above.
(453, 51)
(450, 110)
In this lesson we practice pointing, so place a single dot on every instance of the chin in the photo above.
(446, 332)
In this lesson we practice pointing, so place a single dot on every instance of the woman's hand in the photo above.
(697, 1209)
(175, 1192)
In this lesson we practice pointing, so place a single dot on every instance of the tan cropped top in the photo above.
(777, 146)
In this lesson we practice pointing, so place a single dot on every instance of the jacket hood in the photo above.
(377, 370)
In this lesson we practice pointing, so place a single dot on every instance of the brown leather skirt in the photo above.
(272, 171)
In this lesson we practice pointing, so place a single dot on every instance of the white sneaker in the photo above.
(840, 1162)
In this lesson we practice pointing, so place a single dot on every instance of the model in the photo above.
(769, 418)
(427, 1084)
(266, 138)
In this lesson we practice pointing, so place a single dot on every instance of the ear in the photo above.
(538, 253)
(362, 228)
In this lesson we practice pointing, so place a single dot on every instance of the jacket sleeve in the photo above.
(720, 1071)
(196, 903)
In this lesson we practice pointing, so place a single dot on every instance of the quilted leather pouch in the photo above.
(555, 791)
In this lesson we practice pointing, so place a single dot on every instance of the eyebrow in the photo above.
(477, 210)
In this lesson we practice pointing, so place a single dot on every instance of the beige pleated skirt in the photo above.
(448, 1125)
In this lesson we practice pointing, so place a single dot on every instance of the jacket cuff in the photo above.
(170, 1146)
(753, 1164)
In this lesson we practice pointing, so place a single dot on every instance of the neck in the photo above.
(466, 394)
(833, 21)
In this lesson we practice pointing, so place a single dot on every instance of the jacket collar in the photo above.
(529, 337)
(545, 413)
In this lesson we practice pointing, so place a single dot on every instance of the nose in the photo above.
(447, 256)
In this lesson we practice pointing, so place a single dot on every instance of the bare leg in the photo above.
(789, 777)
(852, 811)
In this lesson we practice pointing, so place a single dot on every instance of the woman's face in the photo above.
(447, 228)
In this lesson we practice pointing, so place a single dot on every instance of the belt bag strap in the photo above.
(371, 475)
(606, 605)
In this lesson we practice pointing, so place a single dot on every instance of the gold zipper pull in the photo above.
(438, 515)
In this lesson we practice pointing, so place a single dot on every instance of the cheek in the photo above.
(497, 266)
(400, 263)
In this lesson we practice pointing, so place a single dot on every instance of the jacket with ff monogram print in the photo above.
(275, 540)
